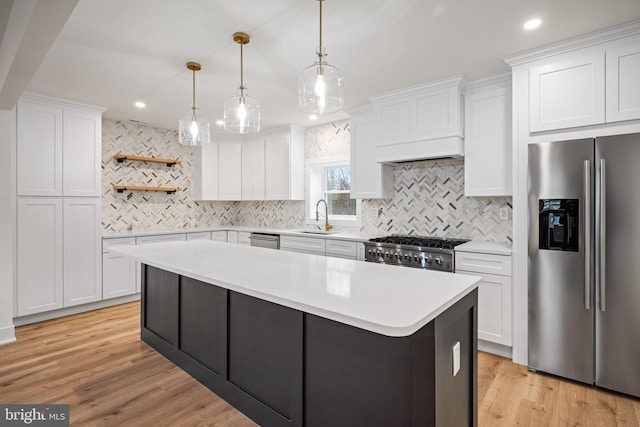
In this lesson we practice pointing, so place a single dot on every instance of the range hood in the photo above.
(419, 151)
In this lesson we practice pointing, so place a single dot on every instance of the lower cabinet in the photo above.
(307, 245)
(494, 294)
(58, 253)
(118, 271)
(341, 249)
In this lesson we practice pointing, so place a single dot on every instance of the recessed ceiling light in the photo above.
(140, 104)
(220, 122)
(532, 24)
(313, 117)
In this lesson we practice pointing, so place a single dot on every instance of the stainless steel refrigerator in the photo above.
(584, 260)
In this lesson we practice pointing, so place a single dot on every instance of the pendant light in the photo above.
(193, 129)
(320, 84)
(241, 112)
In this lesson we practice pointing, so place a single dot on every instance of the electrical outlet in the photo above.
(456, 358)
(504, 214)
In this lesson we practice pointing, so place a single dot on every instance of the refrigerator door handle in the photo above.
(603, 233)
(587, 234)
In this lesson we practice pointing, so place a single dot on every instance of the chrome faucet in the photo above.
(327, 227)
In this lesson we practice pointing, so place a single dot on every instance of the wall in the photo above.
(144, 209)
(428, 197)
(7, 220)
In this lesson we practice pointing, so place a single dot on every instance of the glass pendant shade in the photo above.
(241, 113)
(320, 88)
(193, 130)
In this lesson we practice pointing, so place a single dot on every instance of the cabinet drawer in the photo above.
(341, 248)
(160, 238)
(119, 241)
(200, 235)
(303, 244)
(483, 263)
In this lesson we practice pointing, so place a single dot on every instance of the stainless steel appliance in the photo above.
(433, 253)
(584, 273)
(265, 240)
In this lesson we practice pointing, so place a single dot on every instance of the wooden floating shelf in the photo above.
(168, 190)
(169, 162)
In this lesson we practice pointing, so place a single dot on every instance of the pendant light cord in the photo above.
(193, 106)
(241, 72)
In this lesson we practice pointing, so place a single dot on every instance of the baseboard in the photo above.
(7, 335)
(54, 314)
(493, 348)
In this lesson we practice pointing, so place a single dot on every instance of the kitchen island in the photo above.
(294, 339)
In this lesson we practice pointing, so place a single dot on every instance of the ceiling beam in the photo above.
(27, 35)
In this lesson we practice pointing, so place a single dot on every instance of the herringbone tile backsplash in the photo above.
(428, 197)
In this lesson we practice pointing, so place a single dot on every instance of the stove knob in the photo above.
(398, 256)
(387, 254)
(439, 260)
(406, 257)
(416, 258)
(429, 259)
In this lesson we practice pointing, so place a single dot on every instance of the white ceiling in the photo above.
(115, 52)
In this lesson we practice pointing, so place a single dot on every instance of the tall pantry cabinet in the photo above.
(58, 179)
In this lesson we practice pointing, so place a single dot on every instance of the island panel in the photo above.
(161, 304)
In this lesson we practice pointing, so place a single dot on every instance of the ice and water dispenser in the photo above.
(558, 224)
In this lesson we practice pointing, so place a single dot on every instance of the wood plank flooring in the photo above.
(96, 363)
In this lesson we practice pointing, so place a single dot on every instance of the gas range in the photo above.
(432, 253)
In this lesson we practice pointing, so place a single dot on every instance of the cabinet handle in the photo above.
(603, 234)
(587, 234)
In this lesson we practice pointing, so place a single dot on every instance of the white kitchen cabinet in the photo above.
(232, 237)
(82, 251)
(118, 271)
(199, 235)
(219, 236)
(420, 122)
(39, 255)
(360, 251)
(253, 169)
(59, 254)
(58, 148)
(341, 249)
(308, 245)
(623, 83)
(230, 170)
(82, 154)
(244, 238)
(494, 294)
(39, 150)
(488, 130)
(204, 172)
(567, 92)
(284, 164)
(369, 179)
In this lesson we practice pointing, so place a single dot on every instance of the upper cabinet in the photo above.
(369, 179)
(253, 163)
(268, 166)
(58, 148)
(587, 86)
(284, 164)
(487, 157)
(421, 122)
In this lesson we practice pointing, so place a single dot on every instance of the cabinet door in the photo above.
(487, 152)
(277, 167)
(494, 308)
(82, 251)
(39, 254)
(309, 245)
(233, 237)
(253, 169)
(623, 83)
(369, 179)
(39, 150)
(219, 236)
(118, 272)
(161, 309)
(341, 249)
(82, 153)
(205, 172)
(230, 171)
(567, 93)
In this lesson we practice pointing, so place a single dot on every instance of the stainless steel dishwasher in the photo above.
(265, 240)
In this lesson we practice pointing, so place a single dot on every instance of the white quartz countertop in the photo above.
(389, 300)
(338, 235)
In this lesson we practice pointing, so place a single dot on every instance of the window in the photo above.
(330, 180)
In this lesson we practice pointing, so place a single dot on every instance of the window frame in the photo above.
(315, 189)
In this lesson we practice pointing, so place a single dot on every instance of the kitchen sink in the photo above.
(316, 232)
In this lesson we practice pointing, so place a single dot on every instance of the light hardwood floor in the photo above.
(96, 363)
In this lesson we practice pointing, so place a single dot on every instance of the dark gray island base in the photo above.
(284, 367)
